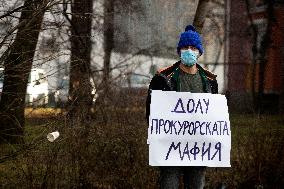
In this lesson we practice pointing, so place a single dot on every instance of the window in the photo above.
(139, 80)
(41, 77)
(261, 25)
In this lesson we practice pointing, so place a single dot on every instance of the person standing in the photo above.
(186, 75)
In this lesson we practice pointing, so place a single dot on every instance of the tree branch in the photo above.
(12, 11)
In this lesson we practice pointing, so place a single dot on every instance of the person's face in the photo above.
(189, 47)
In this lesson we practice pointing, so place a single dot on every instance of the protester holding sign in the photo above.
(184, 76)
(189, 129)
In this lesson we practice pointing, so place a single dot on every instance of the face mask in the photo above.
(188, 57)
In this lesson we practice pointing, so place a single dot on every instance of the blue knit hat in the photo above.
(190, 38)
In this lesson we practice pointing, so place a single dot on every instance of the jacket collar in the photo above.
(171, 71)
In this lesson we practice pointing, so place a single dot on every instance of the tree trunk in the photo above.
(200, 15)
(80, 97)
(108, 42)
(264, 46)
(262, 51)
(18, 65)
(254, 55)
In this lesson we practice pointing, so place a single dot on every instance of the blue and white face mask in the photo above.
(188, 57)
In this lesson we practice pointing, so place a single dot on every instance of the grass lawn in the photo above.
(114, 153)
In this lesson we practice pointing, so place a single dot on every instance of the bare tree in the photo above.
(260, 53)
(18, 64)
(108, 41)
(80, 97)
(254, 32)
(200, 15)
(263, 51)
(111, 8)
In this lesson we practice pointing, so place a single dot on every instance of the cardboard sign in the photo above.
(189, 129)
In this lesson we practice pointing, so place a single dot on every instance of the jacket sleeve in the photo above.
(157, 83)
(214, 86)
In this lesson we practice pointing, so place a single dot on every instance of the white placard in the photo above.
(189, 129)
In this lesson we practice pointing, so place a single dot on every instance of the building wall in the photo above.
(277, 58)
(239, 47)
(273, 82)
(241, 75)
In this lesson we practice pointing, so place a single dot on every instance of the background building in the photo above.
(152, 30)
(254, 54)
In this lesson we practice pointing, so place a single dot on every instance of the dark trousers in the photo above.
(193, 177)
